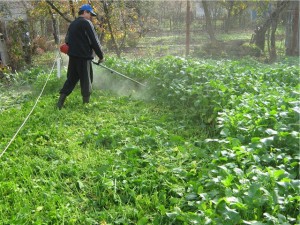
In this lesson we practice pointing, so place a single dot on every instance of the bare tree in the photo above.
(272, 51)
(54, 25)
(188, 24)
(292, 29)
(107, 11)
(58, 11)
(229, 16)
(72, 8)
(260, 32)
(209, 26)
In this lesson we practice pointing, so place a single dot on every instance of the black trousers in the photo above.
(79, 70)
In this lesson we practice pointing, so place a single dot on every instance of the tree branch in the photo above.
(58, 11)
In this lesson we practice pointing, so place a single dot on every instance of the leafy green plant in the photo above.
(123, 161)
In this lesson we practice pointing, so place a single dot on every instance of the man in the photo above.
(82, 40)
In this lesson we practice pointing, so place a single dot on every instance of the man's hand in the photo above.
(100, 60)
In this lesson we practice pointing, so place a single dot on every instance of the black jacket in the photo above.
(82, 39)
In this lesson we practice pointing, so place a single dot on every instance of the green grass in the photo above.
(100, 162)
(208, 142)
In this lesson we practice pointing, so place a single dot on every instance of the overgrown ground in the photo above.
(234, 44)
(207, 142)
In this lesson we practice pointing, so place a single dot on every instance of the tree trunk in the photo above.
(292, 30)
(188, 23)
(58, 11)
(260, 32)
(72, 8)
(296, 31)
(273, 53)
(55, 28)
(114, 42)
(209, 27)
(122, 42)
(229, 16)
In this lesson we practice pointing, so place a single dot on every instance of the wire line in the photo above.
(22, 125)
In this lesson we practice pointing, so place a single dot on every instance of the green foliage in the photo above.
(256, 111)
(206, 87)
(133, 40)
(26, 77)
(35, 78)
(124, 161)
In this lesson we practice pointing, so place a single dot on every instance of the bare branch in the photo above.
(58, 11)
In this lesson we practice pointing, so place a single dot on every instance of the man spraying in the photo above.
(82, 40)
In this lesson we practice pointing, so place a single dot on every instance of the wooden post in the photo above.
(188, 24)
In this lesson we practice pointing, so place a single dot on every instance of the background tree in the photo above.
(143, 11)
(72, 8)
(55, 27)
(292, 29)
(121, 23)
(209, 26)
(272, 17)
(188, 25)
(59, 11)
(235, 11)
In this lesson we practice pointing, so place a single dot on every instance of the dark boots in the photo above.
(61, 101)
(63, 97)
(86, 99)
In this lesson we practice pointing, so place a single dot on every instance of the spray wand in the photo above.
(118, 73)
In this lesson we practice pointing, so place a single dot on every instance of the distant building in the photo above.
(10, 11)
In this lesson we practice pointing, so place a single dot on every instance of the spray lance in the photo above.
(64, 48)
(118, 73)
(111, 70)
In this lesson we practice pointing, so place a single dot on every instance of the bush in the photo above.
(39, 45)
(133, 40)
(250, 49)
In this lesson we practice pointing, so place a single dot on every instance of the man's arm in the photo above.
(95, 43)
